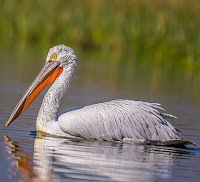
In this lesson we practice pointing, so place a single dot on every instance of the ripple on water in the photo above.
(58, 158)
(26, 156)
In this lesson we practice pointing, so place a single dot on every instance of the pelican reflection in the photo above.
(55, 159)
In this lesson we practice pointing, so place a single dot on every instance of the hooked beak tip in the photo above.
(7, 124)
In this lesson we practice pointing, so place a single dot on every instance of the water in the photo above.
(26, 156)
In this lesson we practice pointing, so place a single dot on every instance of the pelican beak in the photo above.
(50, 71)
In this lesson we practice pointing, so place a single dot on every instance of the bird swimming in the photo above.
(116, 120)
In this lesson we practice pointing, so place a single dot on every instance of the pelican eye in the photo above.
(53, 57)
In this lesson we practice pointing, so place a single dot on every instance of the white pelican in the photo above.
(117, 120)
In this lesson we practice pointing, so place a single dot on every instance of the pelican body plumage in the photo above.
(117, 120)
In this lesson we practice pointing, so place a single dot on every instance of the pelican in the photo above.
(117, 120)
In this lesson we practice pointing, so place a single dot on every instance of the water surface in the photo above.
(26, 156)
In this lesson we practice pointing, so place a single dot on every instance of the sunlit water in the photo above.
(26, 156)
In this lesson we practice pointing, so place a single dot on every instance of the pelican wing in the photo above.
(118, 120)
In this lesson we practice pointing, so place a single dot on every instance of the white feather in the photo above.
(116, 120)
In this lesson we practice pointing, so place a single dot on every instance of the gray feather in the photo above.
(119, 119)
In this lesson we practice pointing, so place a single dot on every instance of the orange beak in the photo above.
(47, 75)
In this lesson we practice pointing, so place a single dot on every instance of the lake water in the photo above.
(27, 156)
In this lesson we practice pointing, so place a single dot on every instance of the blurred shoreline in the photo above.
(159, 33)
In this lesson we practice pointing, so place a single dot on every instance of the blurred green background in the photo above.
(159, 32)
(133, 39)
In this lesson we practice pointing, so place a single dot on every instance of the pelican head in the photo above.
(62, 55)
(58, 58)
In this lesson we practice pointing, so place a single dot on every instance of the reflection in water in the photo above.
(97, 161)
(58, 158)
(20, 160)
